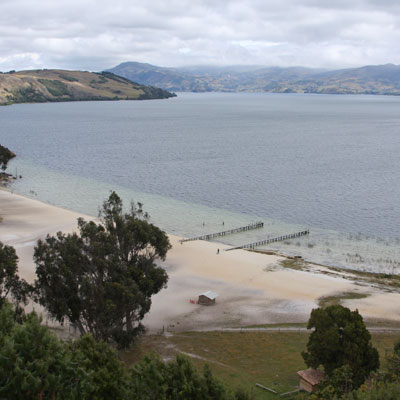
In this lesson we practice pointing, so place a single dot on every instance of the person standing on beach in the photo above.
(217, 251)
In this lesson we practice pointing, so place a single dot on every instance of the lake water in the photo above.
(325, 162)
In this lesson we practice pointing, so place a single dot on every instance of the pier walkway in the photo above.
(271, 240)
(209, 236)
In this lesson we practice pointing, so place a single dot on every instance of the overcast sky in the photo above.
(99, 34)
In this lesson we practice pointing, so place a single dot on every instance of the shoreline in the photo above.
(325, 245)
(253, 288)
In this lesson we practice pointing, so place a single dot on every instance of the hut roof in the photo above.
(312, 376)
(211, 295)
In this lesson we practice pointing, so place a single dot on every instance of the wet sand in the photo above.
(252, 288)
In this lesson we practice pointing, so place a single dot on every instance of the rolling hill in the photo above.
(374, 79)
(37, 86)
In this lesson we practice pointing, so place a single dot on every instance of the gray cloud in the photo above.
(97, 34)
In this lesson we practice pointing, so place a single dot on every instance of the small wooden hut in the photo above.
(207, 298)
(310, 378)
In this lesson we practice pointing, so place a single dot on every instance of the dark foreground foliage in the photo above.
(11, 285)
(154, 379)
(35, 364)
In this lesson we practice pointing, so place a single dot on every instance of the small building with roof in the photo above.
(207, 298)
(310, 378)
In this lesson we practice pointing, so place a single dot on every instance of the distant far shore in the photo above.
(369, 79)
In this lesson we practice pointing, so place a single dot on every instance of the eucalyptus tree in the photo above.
(340, 339)
(102, 279)
(11, 285)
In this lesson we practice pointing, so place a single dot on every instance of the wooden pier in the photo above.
(210, 236)
(271, 240)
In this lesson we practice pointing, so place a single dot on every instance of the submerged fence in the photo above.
(271, 240)
(209, 236)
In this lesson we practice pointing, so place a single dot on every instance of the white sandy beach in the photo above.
(252, 287)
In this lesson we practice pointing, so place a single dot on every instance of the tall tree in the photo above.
(11, 285)
(102, 280)
(340, 338)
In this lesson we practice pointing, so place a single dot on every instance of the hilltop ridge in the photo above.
(370, 79)
(48, 85)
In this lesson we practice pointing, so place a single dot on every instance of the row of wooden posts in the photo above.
(271, 240)
(255, 225)
(275, 392)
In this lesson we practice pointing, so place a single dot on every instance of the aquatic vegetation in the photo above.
(337, 299)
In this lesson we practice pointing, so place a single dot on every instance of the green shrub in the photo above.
(56, 88)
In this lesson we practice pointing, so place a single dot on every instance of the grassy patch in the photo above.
(292, 263)
(242, 359)
(283, 325)
(382, 323)
(338, 298)
(68, 78)
(101, 79)
(55, 87)
(384, 343)
(238, 359)
(391, 280)
(267, 252)
(250, 357)
(26, 95)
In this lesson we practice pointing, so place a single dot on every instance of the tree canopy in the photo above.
(340, 339)
(11, 285)
(5, 156)
(178, 380)
(104, 374)
(36, 364)
(102, 280)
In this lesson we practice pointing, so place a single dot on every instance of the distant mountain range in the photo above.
(371, 79)
(49, 85)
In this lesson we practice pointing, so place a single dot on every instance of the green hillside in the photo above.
(373, 79)
(39, 86)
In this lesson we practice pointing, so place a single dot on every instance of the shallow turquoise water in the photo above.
(329, 163)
